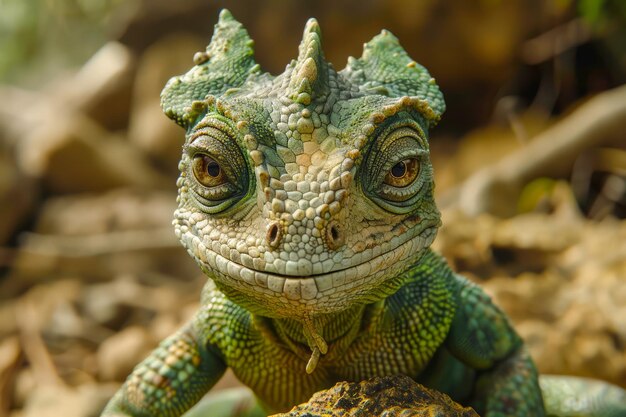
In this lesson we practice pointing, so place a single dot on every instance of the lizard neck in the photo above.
(329, 334)
(331, 327)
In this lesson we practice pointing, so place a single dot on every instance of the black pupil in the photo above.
(213, 169)
(399, 169)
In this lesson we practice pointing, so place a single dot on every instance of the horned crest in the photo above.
(228, 64)
(309, 73)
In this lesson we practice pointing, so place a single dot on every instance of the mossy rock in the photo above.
(391, 396)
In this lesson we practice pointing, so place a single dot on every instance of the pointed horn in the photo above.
(227, 63)
(386, 67)
(309, 77)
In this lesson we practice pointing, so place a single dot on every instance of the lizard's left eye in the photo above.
(403, 173)
(396, 167)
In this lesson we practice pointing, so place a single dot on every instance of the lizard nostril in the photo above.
(274, 235)
(335, 236)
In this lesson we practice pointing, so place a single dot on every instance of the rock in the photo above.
(99, 236)
(104, 305)
(117, 210)
(66, 150)
(70, 153)
(118, 355)
(391, 396)
(115, 232)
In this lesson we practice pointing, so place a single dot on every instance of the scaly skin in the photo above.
(307, 198)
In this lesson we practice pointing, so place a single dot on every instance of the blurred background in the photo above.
(530, 163)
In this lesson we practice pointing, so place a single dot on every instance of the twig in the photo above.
(34, 347)
(495, 189)
(556, 41)
(99, 244)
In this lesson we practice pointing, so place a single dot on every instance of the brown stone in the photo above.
(391, 396)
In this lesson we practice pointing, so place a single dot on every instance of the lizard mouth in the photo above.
(314, 288)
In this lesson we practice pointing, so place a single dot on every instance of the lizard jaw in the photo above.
(276, 295)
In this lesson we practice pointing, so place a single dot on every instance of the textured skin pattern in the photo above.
(307, 198)
(270, 355)
(177, 374)
(292, 146)
(385, 68)
(226, 63)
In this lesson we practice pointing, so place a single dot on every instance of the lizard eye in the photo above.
(397, 166)
(207, 171)
(215, 169)
(403, 173)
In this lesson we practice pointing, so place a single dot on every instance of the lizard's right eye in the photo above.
(216, 170)
(207, 171)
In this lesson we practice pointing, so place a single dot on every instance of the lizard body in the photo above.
(307, 198)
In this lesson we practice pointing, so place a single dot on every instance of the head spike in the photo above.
(386, 68)
(225, 16)
(227, 63)
(310, 71)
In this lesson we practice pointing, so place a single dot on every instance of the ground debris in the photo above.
(93, 275)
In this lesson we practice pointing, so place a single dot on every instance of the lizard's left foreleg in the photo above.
(482, 338)
(510, 388)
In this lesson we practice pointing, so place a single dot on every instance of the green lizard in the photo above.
(307, 199)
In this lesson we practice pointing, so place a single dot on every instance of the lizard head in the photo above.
(308, 192)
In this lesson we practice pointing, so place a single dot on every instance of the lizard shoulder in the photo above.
(481, 333)
(420, 314)
(223, 325)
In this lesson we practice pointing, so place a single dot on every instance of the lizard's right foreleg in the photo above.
(172, 379)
